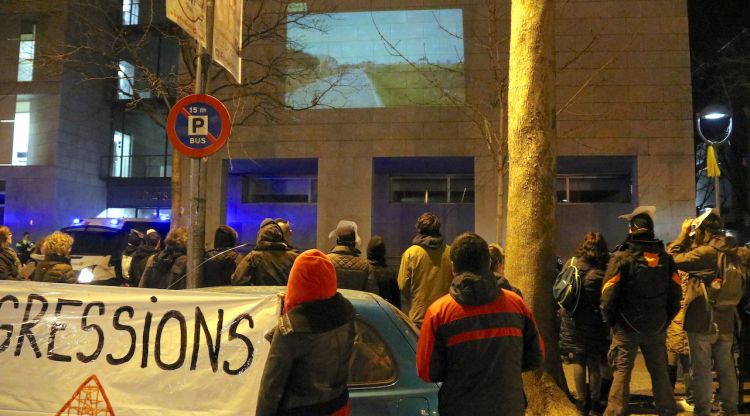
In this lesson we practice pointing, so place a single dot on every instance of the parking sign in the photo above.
(198, 125)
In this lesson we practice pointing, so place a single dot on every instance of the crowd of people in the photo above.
(676, 303)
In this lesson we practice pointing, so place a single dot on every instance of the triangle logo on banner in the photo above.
(88, 400)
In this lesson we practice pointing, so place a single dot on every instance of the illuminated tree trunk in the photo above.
(532, 151)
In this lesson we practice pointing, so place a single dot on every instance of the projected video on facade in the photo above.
(376, 59)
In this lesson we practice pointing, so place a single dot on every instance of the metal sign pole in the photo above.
(197, 235)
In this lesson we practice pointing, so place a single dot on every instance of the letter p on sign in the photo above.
(197, 125)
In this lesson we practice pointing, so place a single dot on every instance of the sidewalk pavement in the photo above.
(641, 398)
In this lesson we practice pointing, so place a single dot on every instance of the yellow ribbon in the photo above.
(712, 164)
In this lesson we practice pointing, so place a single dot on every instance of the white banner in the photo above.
(227, 48)
(68, 349)
(190, 15)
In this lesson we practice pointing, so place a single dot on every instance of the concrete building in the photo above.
(395, 85)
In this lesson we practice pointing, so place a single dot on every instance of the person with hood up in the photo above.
(425, 271)
(135, 239)
(640, 297)
(307, 368)
(478, 339)
(56, 268)
(167, 269)
(269, 262)
(497, 266)
(10, 264)
(583, 334)
(385, 275)
(149, 246)
(352, 270)
(699, 258)
(222, 260)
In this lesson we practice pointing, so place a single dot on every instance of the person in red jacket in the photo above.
(478, 339)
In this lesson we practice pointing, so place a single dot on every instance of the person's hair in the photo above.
(593, 249)
(177, 237)
(58, 243)
(25, 233)
(497, 256)
(469, 253)
(4, 234)
(428, 223)
(712, 224)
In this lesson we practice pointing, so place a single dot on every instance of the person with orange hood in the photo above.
(308, 364)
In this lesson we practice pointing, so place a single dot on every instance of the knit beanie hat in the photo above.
(376, 249)
(312, 278)
(225, 236)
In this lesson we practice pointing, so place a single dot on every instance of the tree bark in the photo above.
(531, 236)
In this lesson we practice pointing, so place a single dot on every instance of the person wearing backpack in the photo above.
(583, 338)
(713, 266)
(640, 296)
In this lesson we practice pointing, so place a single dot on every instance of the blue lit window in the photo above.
(130, 10)
(26, 49)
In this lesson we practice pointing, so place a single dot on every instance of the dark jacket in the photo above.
(504, 283)
(166, 269)
(308, 364)
(585, 332)
(138, 263)
(24, 250)
(219, 266)
(477, 340)
(352, 270)
(641, 290)
(55, 269)
(701, 263)
(269, 263)
(386, 277)
(10, 265)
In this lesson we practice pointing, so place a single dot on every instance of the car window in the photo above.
(372, 362)
(95, 243)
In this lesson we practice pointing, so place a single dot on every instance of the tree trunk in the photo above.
(176, 181)
(500, 204)
(531, 244)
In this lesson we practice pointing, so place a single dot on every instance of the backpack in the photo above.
(567, 287)
(732, 278)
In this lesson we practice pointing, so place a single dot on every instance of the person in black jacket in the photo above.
(167, 269)
(10, 265)
(385, 275)
(640, 296)
(352, 270)
(149, 246)
(583, 335)
(270, 261)
(497, 266)
(308, 364)
(134, 240)
(222, 260)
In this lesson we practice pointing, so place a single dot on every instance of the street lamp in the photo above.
(714, 125)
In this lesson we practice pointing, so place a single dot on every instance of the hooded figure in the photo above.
(425, 272)
(270, 262)
(222, 260)
(149, 246)
(167, 269)
(135, 239)
(308, 364)
(385, 275)
(352, 270)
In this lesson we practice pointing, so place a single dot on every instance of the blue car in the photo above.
(383, 377)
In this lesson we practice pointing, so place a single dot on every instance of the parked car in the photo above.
(383, 378)
(98, 245)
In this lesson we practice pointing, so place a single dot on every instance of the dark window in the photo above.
(372, 362)
(437, 189)
(283, 190)
(615, 188)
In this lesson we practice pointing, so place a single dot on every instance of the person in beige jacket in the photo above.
(425, 273)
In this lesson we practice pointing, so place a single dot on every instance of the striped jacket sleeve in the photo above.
(431, 359)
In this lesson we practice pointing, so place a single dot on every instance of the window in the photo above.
(122, 152)
(594, 188)
(372, 362)
(21, 133)
(450, 189)
(128, 83)
(26, 48)
(130, 10)
(284, 190)
(2, 202)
